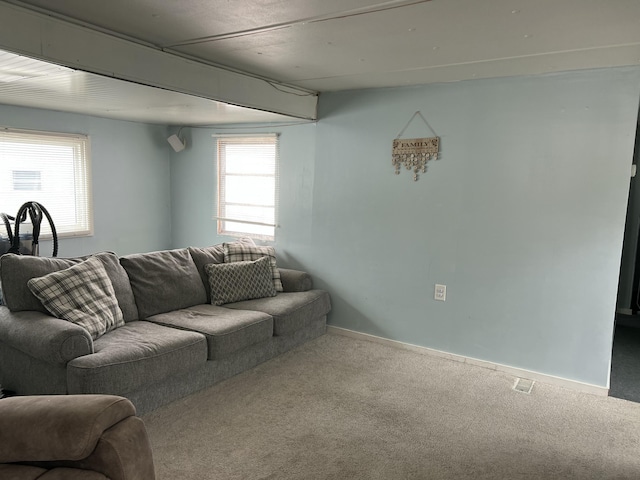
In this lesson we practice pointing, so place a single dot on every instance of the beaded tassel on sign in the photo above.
(413, 161)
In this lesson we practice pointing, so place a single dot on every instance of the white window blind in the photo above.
(248, 186)
(27, 180)
(52, 169)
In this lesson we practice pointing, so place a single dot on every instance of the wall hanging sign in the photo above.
(414, 153)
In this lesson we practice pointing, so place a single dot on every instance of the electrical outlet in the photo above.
(440, 292)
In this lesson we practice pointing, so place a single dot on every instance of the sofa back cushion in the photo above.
(206, 256)
(17, 270)
(164, 281)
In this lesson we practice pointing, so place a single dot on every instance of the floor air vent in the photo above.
(523, 385)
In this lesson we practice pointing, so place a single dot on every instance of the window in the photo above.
(51, 169)
(248, 186)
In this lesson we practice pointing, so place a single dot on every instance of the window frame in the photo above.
(221, 218)
(82, 179)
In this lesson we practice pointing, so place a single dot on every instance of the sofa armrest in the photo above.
(43, 336)
(44, 428)
(295, 280)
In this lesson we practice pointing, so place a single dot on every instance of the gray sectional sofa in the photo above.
(173, 340)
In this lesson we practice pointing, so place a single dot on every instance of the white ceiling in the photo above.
(328, 45)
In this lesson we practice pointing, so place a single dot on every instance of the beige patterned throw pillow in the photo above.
(82, 294)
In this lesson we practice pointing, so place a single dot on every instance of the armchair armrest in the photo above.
(43, 336)
(295, 280)
(57, 427)
(96, 434)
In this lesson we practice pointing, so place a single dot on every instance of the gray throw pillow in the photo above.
(237, 281)
(237, 252)
(82, 294)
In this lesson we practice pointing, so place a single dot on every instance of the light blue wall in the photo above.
(522, 217)
(131, 185)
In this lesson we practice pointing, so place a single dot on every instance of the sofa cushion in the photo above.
(290, 310)
(121, 285)
(164, 281)
(17, 270)
(82, 294)
(135, 355)
(238, 252)
(232, 282)
(227, 331)
(205, 256)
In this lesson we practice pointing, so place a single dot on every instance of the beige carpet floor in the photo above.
(341, 408)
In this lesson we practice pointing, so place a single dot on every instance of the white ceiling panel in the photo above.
(428, 36)
(327, 45)
(166, 22)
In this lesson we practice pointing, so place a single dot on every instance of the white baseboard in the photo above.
(518, 372)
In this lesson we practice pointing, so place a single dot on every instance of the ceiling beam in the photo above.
(36, 35)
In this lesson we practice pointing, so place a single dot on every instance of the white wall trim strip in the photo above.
(518, 372)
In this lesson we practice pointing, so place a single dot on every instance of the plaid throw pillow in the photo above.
(238, 252)
(237, 281)
(82, 294)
